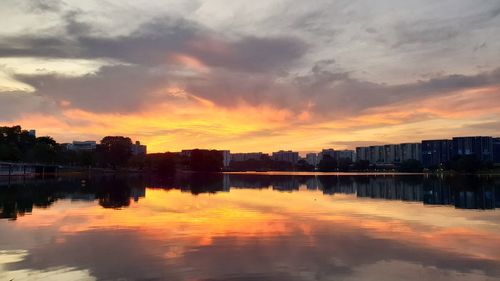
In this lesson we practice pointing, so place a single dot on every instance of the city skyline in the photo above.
(247, 77)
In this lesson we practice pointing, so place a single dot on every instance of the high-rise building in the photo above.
(312, 159)
(239, 157)
(362, 154)
(330, 152)
(377, 154)
(496, 150)
(411, 151)
(480, 147)
(392, 153)
(436, 152)
(286, 156)
(139, 149)
(345, 154)
(226, 157)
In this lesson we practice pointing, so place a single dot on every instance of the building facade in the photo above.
(329, 151)
(239, 157)
(479, 147)
(312, 159)
(139, 149)
(411, 151)
(286, 156)
(496, 150)
(362, 154)
(345, 154)
(82, 145)
(436, 153)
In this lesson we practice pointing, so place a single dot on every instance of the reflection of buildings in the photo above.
(464, 192)
(461, 192)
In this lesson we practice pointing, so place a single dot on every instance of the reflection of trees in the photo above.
(111, 192)
(468, 192)
(20, 198)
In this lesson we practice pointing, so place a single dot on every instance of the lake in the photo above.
(243, 227)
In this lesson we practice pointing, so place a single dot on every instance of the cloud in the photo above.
(15, 105)
(307, 63)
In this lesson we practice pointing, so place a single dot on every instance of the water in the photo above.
(251, 227)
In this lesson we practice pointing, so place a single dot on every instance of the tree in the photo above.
(206, 160)
(162, 164)
(362, 165)
(467, 164)
(411, 166)
(44, 150)
(116, 150)
(302, 165)
(344, 164)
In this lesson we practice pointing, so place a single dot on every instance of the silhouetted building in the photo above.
(239, 157)
(286, 156)
(330, 152)
(411, 151)
(139, 149)
(479, 147)
(392, 153)
(377, 154)
(436, 152)
(32, 133)
(345, 154)
(312, 159)
(496, 150)
(226, 157)
(362, 154)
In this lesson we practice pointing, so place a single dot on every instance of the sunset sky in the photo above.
(251, 75)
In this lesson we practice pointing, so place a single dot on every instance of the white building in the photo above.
(82, 145)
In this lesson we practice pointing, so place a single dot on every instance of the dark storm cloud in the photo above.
(246, 69)
(43, 6)
(38, 46)
(117, 88)
(156, 42)
(16, 104)
(330, 93)
(439, 30)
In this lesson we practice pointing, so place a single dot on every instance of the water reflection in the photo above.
(464, 192)
(251, 227)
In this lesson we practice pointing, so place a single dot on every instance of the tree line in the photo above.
(112, 152)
